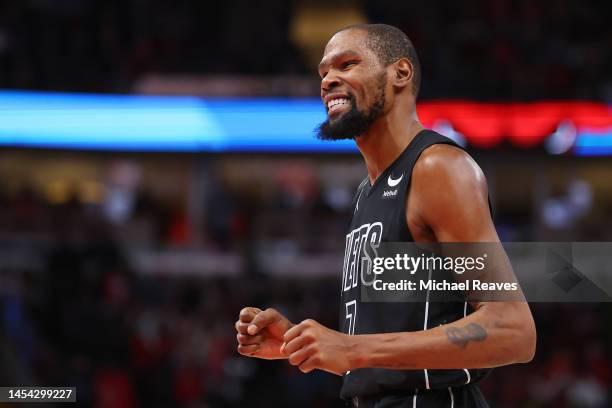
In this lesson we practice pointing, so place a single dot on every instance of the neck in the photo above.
(386, 139)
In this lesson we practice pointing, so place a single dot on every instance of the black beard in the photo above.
(354, 122)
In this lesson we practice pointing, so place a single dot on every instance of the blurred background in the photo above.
(158, 172)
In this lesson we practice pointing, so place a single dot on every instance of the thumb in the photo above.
(262, 320)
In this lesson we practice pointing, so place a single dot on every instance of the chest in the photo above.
(384, 208)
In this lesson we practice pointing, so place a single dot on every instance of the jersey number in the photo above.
(351, 316)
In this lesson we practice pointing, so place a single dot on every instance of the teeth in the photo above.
(337, 101)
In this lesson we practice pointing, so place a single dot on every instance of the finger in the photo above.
(248, 350)
(300, 356)
(242, 327)
(293, 346)
(246, 340)
(248, 313)
(293, 332)
(308, 365)
(262, 320)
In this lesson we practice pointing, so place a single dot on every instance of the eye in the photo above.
(348, 64)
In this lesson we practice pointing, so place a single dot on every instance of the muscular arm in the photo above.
(448, 203)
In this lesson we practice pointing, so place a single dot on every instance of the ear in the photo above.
(402, 73)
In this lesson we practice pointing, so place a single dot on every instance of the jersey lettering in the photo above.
(358, 257)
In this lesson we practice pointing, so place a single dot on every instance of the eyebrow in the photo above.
(346, 53)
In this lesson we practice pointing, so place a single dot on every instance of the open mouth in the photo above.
(337, 105)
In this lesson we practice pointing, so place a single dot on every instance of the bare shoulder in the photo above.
(442, 163)
(448, 199)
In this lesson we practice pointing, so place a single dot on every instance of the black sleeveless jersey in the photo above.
(379, 215)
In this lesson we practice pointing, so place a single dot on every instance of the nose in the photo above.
(330, 82)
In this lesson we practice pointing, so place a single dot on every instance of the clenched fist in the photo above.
(260, 333)
(311, 345)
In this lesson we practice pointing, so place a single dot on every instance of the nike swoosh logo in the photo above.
(394, 182)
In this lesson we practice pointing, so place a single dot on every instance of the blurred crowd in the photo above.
(482, 49)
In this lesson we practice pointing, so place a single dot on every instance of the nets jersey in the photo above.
(379, 215)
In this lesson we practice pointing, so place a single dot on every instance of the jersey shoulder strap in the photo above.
(425, 139)
(422, 141)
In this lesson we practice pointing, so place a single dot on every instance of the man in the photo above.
(422, 188)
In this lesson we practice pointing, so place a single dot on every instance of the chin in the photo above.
(335, 118)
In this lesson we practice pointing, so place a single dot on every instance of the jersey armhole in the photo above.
(413, 163)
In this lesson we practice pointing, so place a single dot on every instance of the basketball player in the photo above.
(398, 354)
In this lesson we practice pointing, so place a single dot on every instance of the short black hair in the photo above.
(390, 44)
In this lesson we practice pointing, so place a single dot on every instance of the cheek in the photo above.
(363, 97)
(365, 89)
(369, 97)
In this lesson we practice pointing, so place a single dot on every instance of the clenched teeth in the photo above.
(335, 102)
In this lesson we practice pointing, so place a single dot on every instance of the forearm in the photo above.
(491, 336)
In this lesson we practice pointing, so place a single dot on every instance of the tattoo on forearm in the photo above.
(461, 336)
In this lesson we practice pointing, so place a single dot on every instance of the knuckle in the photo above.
(308, 335)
